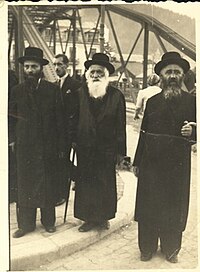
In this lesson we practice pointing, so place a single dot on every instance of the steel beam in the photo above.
(94, 35)
(82, 33)
(19, 43)
(145, 54)
(74, 43)
(118, 48)
(102, 39)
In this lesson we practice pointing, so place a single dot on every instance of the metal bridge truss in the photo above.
(34, 19)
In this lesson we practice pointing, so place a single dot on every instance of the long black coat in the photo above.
(101, 136)
(69, 99)
(38, 136)
(164, 157)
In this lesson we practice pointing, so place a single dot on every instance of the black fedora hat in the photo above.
(33, 53)
(100, 59)
(171, 58)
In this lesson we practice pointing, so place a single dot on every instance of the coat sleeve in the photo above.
(121, 126)
(193, 119)
(60, 123)
(12, 115)
(141, 141)
(73, 119)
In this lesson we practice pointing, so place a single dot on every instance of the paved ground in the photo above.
(109, 250)
(120, 251)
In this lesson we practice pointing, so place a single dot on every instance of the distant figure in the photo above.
(162, 162)
(190, 81)
(145, 94)
(69, 96)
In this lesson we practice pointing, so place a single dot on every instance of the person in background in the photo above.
(69, 96)
(37, 136)
(145, 94)
(101, 144)
(162, 162)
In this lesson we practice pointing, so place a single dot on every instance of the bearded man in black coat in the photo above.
(163, 160)
(101, 143)
(36, 133)
(69, 97)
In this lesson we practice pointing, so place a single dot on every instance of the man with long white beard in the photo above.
(163, 160)
(101, 143)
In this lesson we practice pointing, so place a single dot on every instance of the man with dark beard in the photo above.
(101, 143)
(162, 162)
(36, 134)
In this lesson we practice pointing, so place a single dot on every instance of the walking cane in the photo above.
(69, 184)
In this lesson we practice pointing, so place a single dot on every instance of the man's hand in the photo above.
(186, 129)
(136, 171)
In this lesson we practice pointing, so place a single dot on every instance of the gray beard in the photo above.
(97, 89)
(172, 92)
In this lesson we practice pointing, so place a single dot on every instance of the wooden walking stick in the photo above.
(69, 184)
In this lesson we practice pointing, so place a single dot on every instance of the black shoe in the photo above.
(146, 257)
(86, 226)
(172, 259)
(60, 202)
(20, 233)
(50, 229)
(104, 225)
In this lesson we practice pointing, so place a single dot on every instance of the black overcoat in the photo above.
(69, 98)
(164, 160)
(38, 136)
(101, 136)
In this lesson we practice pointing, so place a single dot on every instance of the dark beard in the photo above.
(171, 88)
(32, 81)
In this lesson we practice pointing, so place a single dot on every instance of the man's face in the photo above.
(60, 66)
(172, 76)
(97, 79)
(97, 72)
(32, 69)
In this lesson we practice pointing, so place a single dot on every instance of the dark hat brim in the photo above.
(41, 61)
(108, 65)
(184, 64)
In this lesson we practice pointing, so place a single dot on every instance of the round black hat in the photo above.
(171, 58)
(33, 53)
(100, 59)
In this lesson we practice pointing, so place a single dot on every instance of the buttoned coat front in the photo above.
(36, 130)
(101, 136)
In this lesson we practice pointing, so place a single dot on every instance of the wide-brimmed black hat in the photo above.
(171, 58)
(100, 59)
(33, 53)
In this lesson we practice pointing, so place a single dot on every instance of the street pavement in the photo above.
(120, 250)
(67, 249)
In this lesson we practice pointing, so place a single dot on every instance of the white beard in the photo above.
(97, 89)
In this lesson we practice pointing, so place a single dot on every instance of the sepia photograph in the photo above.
(100, 123)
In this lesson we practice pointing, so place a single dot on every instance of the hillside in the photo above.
(127, 30)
